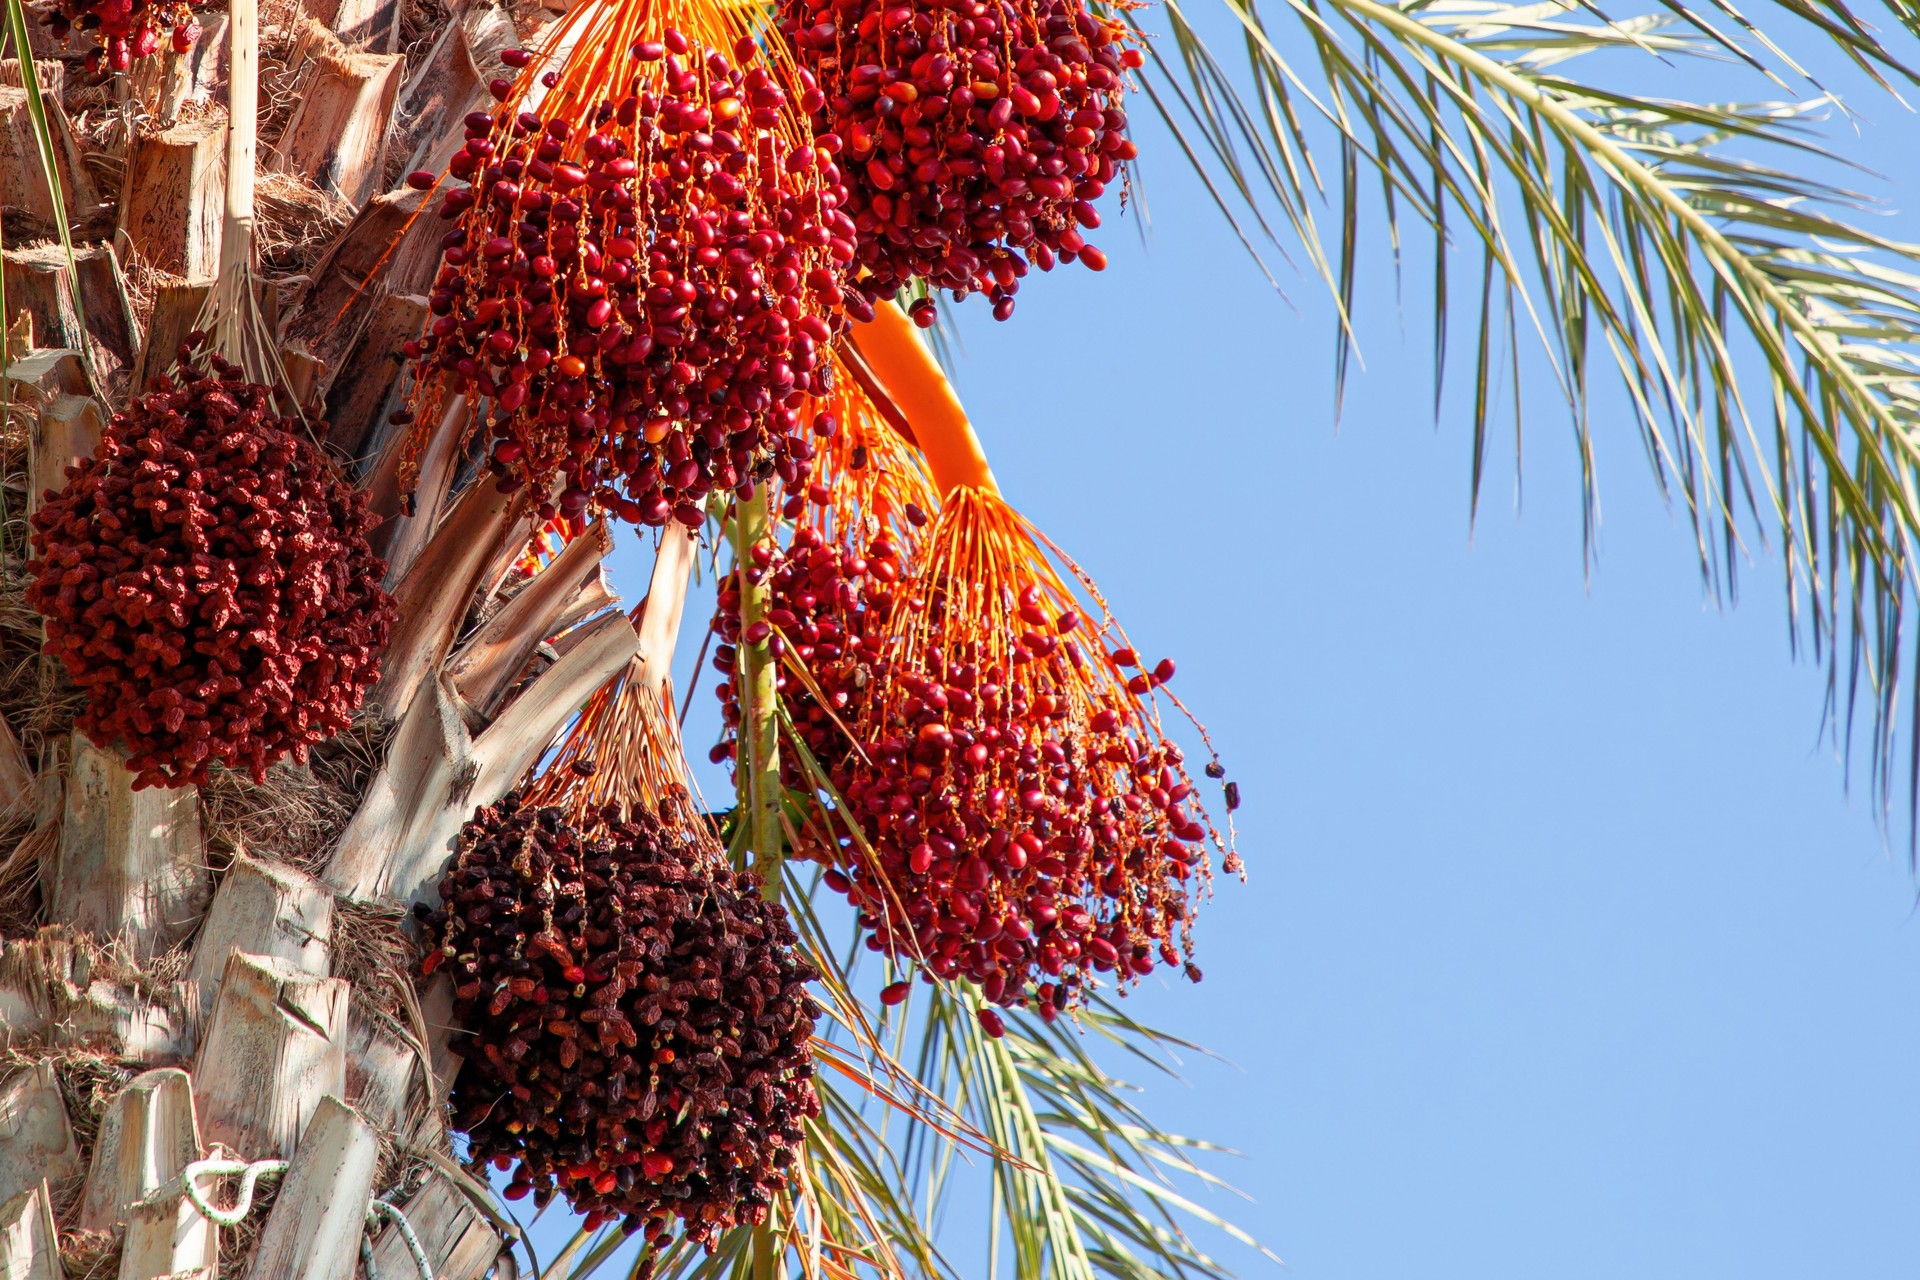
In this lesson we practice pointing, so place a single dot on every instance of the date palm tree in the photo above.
(222, 1055)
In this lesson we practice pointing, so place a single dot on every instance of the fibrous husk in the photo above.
(291, 816)
(295, 221)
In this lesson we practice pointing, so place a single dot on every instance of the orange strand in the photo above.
(625, 750)
(1024, 820)
(852, 552)
(868, 475)
(1032, 827)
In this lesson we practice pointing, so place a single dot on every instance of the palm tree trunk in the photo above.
(200, 981)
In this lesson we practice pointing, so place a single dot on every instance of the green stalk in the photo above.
(16, 27)
(766, 1254)
(759, 776)
(760, 796)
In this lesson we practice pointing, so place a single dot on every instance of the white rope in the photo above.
(379, 1209)
(275, 1167)
(243, 1202)
(249, 1174)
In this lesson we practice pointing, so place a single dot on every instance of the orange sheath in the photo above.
(917, 387)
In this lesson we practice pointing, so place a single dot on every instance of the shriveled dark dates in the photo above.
(639, 1023)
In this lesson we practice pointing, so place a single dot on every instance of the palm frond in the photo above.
(1094, 1186)
(1763, 339)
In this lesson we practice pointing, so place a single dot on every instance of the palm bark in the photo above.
(226, 973)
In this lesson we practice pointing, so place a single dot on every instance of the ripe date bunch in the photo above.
(643, 285)
(1031, 827)
(976, 134)
(126, 29)
(207, 583)
(1020, 842)
(832, 604)
(639, 1022)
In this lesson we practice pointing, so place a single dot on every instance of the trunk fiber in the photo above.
(217, 1054)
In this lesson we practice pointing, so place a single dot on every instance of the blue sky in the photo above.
(1564, 951)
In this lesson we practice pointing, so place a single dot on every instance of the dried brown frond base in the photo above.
(372, 951)
(294, 222)
(88, 114)
(40, 703)
(144, 283)
(91, 1255)
(292, 817)
(17, 617)
(421, 22)
(70, 969)
(84, 94)
(108, 169)
(88, 1082)
(101, 131)
(30, 687)
(16, 419)
(20, 228)
(26, 845)
(79, 996)
(346, 762)
(280, 69)
(532, 17)
(153, 979)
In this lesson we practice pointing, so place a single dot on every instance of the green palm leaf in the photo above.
(1763, 339)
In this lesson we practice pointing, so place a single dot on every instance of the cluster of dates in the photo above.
(644, 297)
(832, 605)
(1027, 826)
(640, 1024)
(1025, 836)
(645, 282)
(125, 29)
(976, 134)
(206, 581)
